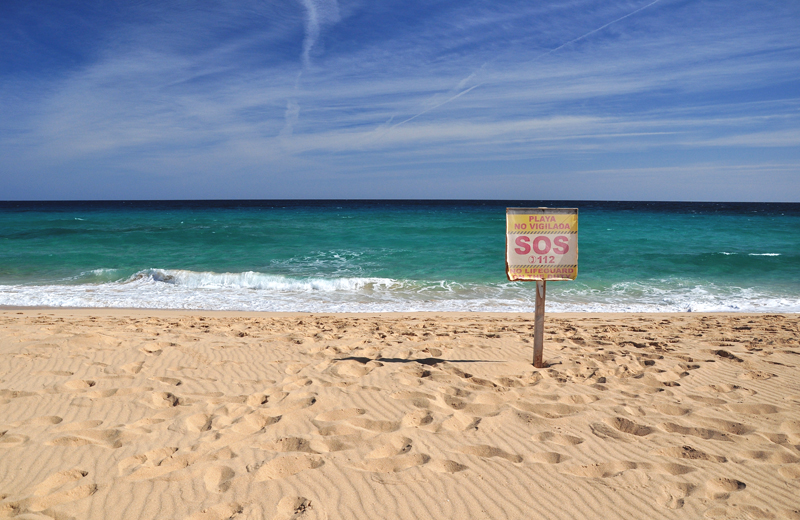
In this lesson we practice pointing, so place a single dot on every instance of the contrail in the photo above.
(291, 116)
(551, 51)
(593, 31)
(434, 107)
(318, 13)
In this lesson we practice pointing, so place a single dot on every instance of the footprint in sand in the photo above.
(411, 396)
(297, 404)
(689, 453)
(79, 384)
(172, 381)
(221, 454)
(602, 470)
(10, 440)
(721, 488)
(329, 445)
(392, 447)
(790, 471)
(578, 399)
(509, 382)
(558, 438)
(100, 394)
(417, 419)
(81, 425)
(338, 415)
(338, 430)
(667, 468)
(158, 464)
(199, 422)
(256, 400)
(703, 433)
(549, 411)
(711, 401)
(352, 369)
(37, 504)
(754, 409)
(394, 464)
(57, 480)
(255, 422)
(755, 375)
(790, 427)
(218, 478)
(133, 368)
(548, 457)
(284, 467)
(484, 451)
(751, 511)
(772, 457)
(780, 439)
(294, 368)
(167, 471)
(501, 418)
(461, 422)
(480, 384)
(55, 372)
(46, 420)
(217, 512)
(109, 438)
(627, 426)
(724, 354)
(133, 390)
(287, 444)
(486, 410)
(163, 400)
(9, 509)
(604, 431)
(416, 399)
(725, 388)
(374, 425)
(735, 428)
(151, 458)
(673, 494)
(453, 402)
(446, 466)
(292, 507)
(144, 425)
(671, 409)
(151, 350)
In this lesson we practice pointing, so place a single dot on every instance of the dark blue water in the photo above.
(391, 256)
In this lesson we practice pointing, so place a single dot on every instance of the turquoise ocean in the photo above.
(377, 256)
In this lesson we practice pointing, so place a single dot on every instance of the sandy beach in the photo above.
(135, 414)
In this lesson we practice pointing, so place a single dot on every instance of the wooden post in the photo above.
(538, 325)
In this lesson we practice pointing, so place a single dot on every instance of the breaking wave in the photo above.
(255, 291)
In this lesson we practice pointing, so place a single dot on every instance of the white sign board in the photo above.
(541, 244)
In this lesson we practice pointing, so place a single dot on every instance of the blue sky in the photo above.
(573, 99)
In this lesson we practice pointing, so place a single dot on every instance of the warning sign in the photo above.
(541, 244)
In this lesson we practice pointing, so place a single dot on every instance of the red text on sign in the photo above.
(541, 245)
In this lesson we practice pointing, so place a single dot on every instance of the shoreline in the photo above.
(227, 313)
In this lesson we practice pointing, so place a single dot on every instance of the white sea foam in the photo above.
(181, 289)
(259, 281)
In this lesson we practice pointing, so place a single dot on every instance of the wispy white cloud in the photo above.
(319, 13)
(292, 116)
(316, 89)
